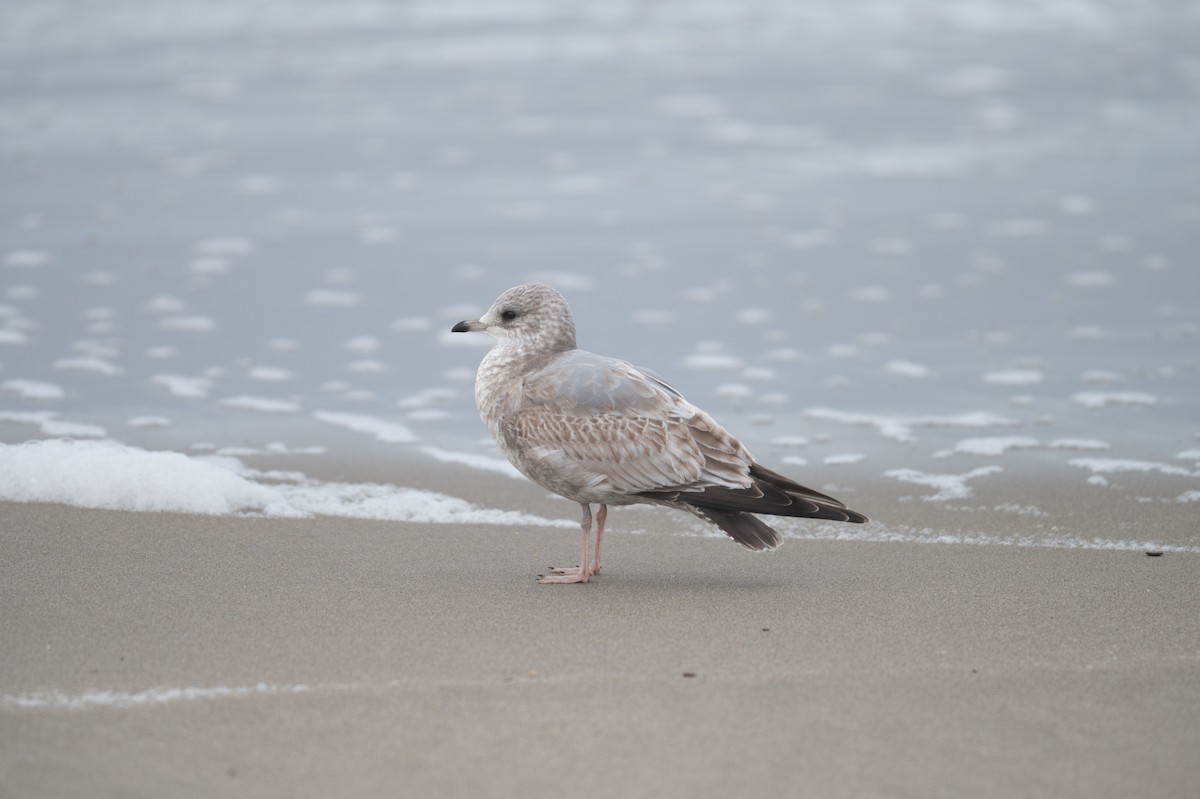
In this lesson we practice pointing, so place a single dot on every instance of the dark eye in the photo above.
(508, 316)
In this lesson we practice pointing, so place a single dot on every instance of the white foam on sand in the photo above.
(474, 461)
(49, 424)
(947, 486)
(712, 358)
(906, 369)
(270, 374)
(184, 387)
(273, 448)
(148, 421)
(150, 698)
(105, 474)
(56, 700)
(1079, 444)
(33, 389)
(1102, 399)
(1086, 332)
(1013, 377)
(899, 428)
(224, 245)
(900, 534)
(113, 476)
(427, 397)
(1100, 376)
(395, 503)
(381, 429)
(995, 445)
(1090, 279)
(164, 304)
(367, 366)
(192, 324)
(27, 259)
(870, 294)
(998, 445)
(93, 364)
(735, 391)
(260, 404)
(1119, 465)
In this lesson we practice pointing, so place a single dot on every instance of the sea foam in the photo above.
(899, 428)
(947, 486)
(381, 429)
(112, 476)
(105, 474)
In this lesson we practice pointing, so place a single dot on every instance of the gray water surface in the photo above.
(857, 236)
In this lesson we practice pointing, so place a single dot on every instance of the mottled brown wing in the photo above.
(625, 426)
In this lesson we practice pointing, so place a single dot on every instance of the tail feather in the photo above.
(747, 529)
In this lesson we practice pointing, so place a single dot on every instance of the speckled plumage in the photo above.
(600, 430)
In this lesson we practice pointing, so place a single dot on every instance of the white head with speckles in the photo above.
(532, 316)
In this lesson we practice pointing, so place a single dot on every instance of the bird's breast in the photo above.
(497, 388)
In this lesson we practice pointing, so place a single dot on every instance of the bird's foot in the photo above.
(565, 574)
(572, 569)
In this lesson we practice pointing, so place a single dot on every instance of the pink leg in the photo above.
(580, 573)
(601, 517)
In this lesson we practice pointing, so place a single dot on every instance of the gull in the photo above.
(601, 431)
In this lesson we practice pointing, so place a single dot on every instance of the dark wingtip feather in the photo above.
(824, 506)
(770, 494)
(855, 517)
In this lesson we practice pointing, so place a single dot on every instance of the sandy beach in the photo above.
(153, 654)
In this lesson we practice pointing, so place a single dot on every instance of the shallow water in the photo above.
(862, 239)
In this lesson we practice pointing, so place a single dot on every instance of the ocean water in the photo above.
(866, 239)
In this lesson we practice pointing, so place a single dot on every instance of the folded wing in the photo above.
(626, 431)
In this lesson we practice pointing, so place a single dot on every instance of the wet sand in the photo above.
(177, 655)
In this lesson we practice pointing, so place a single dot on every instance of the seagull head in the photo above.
(531, 316)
